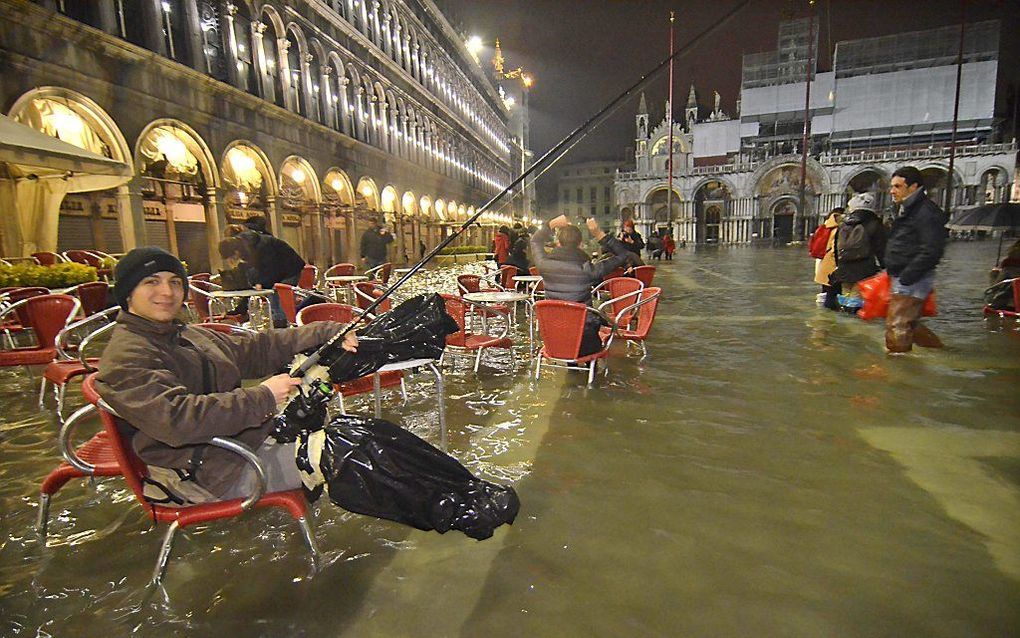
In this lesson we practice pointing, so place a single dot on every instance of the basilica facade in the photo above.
(737, 179)
(321, 116)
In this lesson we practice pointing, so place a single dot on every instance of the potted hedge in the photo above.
(62, 275)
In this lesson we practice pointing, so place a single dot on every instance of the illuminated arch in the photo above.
(177, 141)
(370, 192)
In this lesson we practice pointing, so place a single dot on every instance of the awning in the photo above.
(29, 152)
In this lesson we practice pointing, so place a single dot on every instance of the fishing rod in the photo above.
(559, 150)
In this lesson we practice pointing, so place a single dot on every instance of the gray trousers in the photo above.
(281, 470)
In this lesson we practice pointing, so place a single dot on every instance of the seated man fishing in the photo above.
(179, 386)
(569, 274)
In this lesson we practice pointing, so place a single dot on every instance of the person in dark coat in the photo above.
(915, 247)
(272, 261)
(519, 252)
(374, 243)
(861, 212)
(569, 274)
(631, 238)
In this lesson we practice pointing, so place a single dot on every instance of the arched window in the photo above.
(246, 80)
(295, 66)
(271, 53)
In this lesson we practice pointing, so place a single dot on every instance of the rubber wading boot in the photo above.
(924, 337)
(900, 320)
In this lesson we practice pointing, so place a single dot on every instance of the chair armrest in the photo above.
(65, 437)
(634, 306)
(609, 302)
(612, 324)
(61, 339)
(87, 340)
(248, 455)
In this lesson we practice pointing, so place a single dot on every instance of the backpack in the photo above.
(852, 243)
(819, 241)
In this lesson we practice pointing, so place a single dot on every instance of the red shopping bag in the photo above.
(875, 292)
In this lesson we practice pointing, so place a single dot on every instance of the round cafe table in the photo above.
(343, 282)
(496, 297)
(261, 297)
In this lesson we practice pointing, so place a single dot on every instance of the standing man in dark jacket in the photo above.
(272, 262)
(179, 386)
(373, 244)
(569, 275)
(916, 243)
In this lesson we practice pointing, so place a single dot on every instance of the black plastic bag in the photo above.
(416, 329)
(373, 467)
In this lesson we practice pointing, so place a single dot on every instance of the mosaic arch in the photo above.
(58, 217)
(659, 209)
(994, 186)
(869, 180)
(935, 178)
(711, 205)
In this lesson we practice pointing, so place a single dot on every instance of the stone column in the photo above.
(129, 214)
(152, 29)
(327, 105)
(228, 10)
(108, 20)
(196, 57)
(306, 89)
(290, 98)
(273, 215)
(258, 58)
(387, 41)
(212, 227)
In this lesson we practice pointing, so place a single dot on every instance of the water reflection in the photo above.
(767, 470)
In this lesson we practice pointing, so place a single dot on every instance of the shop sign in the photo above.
(153, 210)
(188, 212)
(290, 219)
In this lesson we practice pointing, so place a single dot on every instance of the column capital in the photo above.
(231, 9)
(309, 58)
(284, 45)
(259, 28)
(326, 70)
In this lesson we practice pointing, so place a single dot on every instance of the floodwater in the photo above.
(767, 471)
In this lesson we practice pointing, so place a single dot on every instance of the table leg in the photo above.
(440, 397)
(378, 395)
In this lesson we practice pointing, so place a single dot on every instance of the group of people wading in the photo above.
(853, 244)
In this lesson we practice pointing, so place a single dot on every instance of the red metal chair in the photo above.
(344, 313)
(616, 288)
(61, 370)
(466, 342)
(308, 276)
(288, 296)
(467, 283)
(93, 458)
(9, 299)
(641, 303)
(201, 276)
(135, 471)
(539, 289)
(645, 274)
(381, 272)
(47, 258)
(619, 272)
(366, 292)
(340, 312)
(338, 270)
(47, 315)
(561, 325)
(201, 300)
(506, 276)
(988, 311)
(94, 296)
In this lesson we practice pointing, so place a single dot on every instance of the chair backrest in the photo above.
(198, 292)
(646, 313)
(48, 314)
(307, 278)
(533, 270)
(506, 276)
(339, 270)
(47, 258)
(200, 276)
(287, 302)
(469, 283)
(619, 272)
(618, 287)
(119, 434)
(384, 272)
(93, 296)
(327, 312)
(645, 274)
(224, 328)
(561, 325)
(18, 294)
(456, 308)
(1016, 294)
(365, 292)
(83, 257)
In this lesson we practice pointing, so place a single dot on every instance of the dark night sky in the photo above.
(585, 52)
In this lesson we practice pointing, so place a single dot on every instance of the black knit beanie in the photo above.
(138, 264)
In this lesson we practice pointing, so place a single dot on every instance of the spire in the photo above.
(642, 108)
(497, 60)
(692, 99)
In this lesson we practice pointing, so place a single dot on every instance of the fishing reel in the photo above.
(305, 410)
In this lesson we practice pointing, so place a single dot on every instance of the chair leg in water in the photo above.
(591, 370)
(164, 554)
(306, 532)
(42, 516)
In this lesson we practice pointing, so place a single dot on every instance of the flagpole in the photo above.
(669, 119)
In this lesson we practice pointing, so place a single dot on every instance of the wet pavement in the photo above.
(768, 470)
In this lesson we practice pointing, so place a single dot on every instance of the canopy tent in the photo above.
(36, 171)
